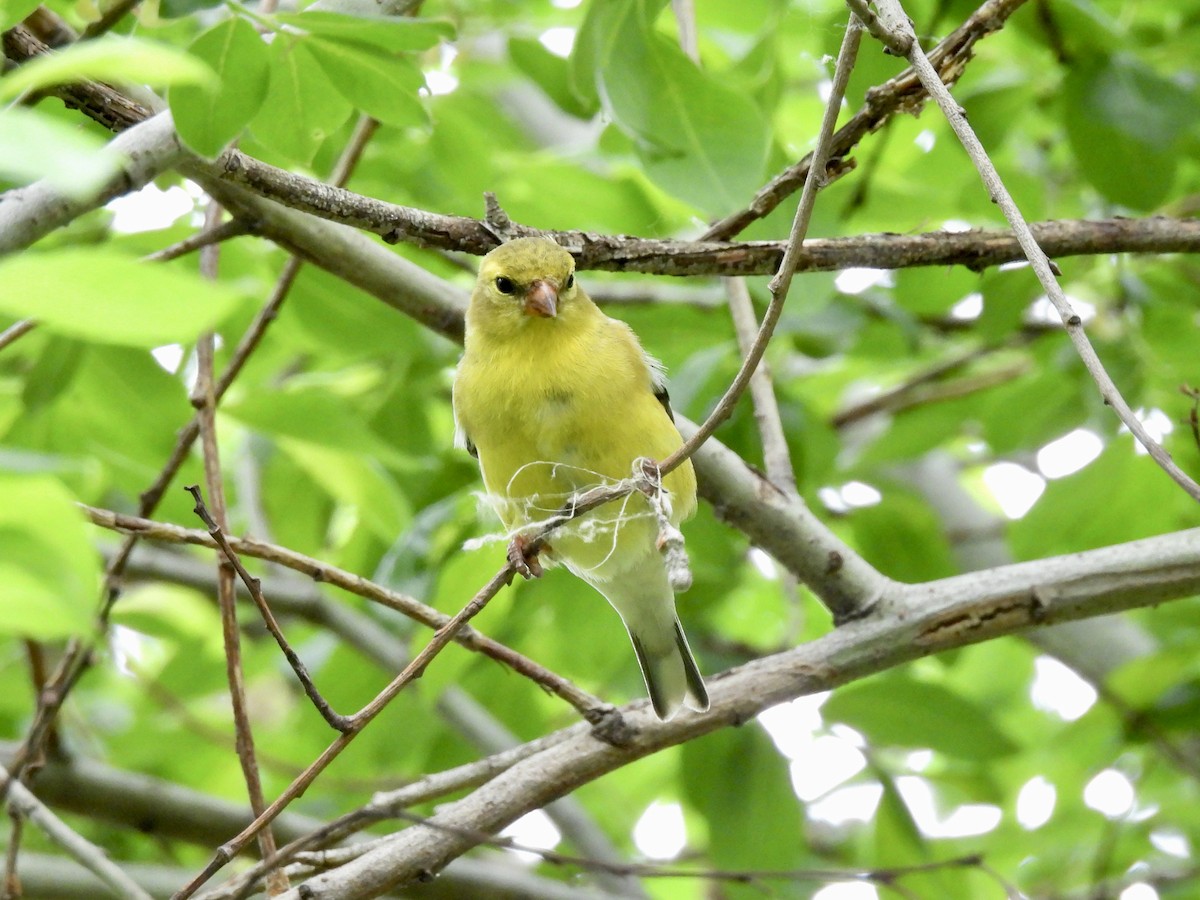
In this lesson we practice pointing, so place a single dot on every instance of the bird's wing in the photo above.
(462, 440)
(658, 379)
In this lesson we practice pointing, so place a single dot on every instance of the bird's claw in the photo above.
(525, 562)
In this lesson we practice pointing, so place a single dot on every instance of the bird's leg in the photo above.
(522, 558)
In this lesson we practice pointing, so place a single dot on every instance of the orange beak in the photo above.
(542, 300)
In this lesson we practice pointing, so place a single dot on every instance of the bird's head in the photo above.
(524, 281)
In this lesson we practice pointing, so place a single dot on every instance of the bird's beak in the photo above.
(542, 300)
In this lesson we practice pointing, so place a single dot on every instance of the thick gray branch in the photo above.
(912, 621)
(139, 154)
(166, 810)
(23, 802)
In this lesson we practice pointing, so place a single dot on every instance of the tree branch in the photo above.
(81, 850)
(895, 29)
(902, 94)
(919, 620)
(355, 584)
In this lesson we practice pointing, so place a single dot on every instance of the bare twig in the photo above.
(86, 854)
(109, 18)
(388, 805)
(929, 618)
(777, 459)
(15, 331)
(205, 401)
(882, 876)
(225, 231)
(898, 32)
(921, 388)
(254, 586)
(1193, 419)
(325, 573)
(359, 720)
(364, 130)
(783, 278)
(977, 249)
(902, 94)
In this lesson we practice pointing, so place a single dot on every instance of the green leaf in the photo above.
(312, 414)
(34, 146)
(1138, 500)
(933, 293)
(378, 83)
(736, 807)
(1125, 123)
(13, 11)
(107, 59)
(550, 72)
(699, 139)
(99, 295)
(52, 373)
(174, 9)
(898, 710)
(50, 573)
(181, 615)
(356, 480)
(389, 33)
(302, 106)
(904, 538)
(1142, 681)
(209, 117)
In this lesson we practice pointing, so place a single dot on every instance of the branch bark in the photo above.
(894, 29)
(87, 854)
(901, 94)
(913, 621)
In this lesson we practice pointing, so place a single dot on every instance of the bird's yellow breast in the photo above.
(563, 406)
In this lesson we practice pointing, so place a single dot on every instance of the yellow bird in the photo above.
(554, 397)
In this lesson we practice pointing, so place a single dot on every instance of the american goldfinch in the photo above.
(554, 397)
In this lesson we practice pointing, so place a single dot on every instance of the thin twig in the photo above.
(254, 586)
(85, 853)
(364, 130)
(783, 278)
(109, 18)
(77, 656)
(777, 458)
(916, 389)
(359, 721)
(231, 228)
(1193, 419)
(16, 330)
(883, 876)
(11, 889)
(902, 36)
(901, 94)
(387, 805)
(590, 707)
(205, 401)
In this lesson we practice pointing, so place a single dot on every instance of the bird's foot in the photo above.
(522, 559)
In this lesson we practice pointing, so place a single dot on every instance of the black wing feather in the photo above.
(661, 395)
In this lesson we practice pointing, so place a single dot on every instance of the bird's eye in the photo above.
(570, 281)
(505, 285)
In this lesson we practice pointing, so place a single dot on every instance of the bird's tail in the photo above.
(672, 677)
(644, 598)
